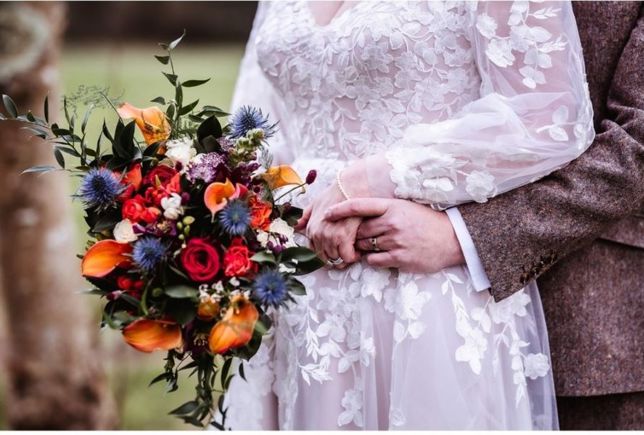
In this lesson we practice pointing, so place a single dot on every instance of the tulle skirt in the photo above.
(377, 349)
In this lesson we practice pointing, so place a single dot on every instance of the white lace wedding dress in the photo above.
(465, 101)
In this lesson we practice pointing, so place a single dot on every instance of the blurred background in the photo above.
(59, 370)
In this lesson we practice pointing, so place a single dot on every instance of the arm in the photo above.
(534, 115)
(521, 234)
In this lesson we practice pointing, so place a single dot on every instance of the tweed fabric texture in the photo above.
(579, 230)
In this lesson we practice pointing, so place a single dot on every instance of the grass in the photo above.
(132, 73)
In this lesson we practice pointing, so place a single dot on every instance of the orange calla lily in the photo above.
(148, 335)
(151, 121)
(103, 257)
(217, 195)
(280, 176)
(236, 328)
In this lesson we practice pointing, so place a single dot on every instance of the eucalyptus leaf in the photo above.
(181, 292)
(10, 106)
(173, 44)
(264, 257)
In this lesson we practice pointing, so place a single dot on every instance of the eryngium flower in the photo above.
(248, 118)
(148, 253)
(235, 218)
(269, 288)
(100, 188)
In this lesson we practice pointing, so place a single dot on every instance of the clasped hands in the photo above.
(386, 232)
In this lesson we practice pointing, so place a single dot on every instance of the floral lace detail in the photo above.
(381, 78)
(518, 56)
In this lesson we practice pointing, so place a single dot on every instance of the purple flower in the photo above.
(249, 118)
(270, 288)
(207, 167)
(148, 252)
(100, 188)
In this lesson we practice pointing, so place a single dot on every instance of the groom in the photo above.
(580, 231)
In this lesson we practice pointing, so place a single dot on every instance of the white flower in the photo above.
(180, 151)
(172, 206)
(262, 238)
(536, 365)
(499, 51)
(486, 25)
(124, 232)
(280, 226)
(479, 185)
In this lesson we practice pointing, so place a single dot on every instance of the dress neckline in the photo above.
(338, 16)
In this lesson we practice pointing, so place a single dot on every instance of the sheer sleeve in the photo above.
(254, 89)
(534, 114)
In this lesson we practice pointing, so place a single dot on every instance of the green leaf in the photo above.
(130, 300)
(296, 287)
(159, 100)
(241, 370)
(309, 266)
(194, 83)
(186, 408)
(299, 253)
(172, 78)
(181, 292)
(173, 44)
(187, 109)
(161, 377)
(182, 310)
(178, 95)
(68, 150)
(163, 59)
(170, 111)
(225, 370)
(264, 257)
(59, 158)
(86, 118)
(9, 105)
(46, 108)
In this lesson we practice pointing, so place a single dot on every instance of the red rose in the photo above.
(237, 259)
(135, 210)
(155, 194)
(200, 260)
(160, 175)
(260, 213)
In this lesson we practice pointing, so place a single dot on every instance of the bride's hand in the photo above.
(331, 240)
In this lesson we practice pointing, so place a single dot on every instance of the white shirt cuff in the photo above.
(480, 280)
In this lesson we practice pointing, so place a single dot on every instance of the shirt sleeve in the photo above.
(473, 262)
(533, 117)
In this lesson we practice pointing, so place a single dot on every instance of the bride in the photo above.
(440, 103)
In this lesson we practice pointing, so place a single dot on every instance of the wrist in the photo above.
(352, 180)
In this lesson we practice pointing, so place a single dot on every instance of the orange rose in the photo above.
(260, 213)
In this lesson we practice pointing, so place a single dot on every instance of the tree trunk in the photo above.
(54, 371)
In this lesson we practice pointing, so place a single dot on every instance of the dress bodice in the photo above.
(352, 86)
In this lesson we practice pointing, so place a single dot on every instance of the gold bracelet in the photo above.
(339, 181)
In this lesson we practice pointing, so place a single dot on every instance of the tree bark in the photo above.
(54, 372)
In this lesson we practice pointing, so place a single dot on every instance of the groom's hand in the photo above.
(401, 234)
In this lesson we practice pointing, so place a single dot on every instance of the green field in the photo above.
(134, 76)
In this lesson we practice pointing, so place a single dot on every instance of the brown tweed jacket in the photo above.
(581, 229)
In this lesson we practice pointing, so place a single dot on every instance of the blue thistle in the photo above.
(270, 288)
(248, 118)
(99, 188)
(235, 218)
(148, 253)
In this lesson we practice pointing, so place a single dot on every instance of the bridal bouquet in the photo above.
(190, 248)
